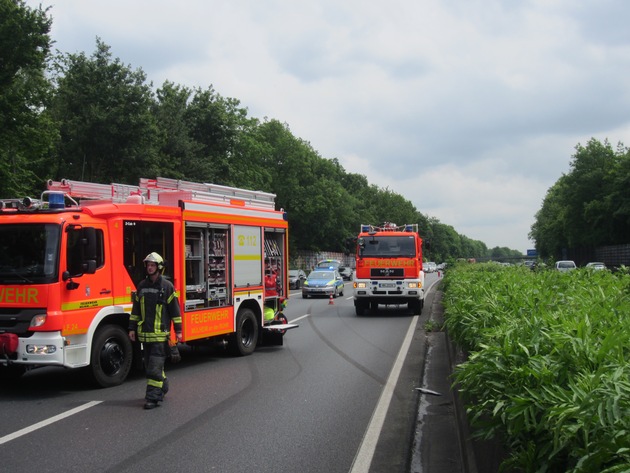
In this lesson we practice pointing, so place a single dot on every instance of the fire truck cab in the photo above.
(388, 267)
(72, 259)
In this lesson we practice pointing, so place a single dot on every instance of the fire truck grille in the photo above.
(387, 272)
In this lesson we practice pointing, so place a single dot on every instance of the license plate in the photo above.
(387, 284)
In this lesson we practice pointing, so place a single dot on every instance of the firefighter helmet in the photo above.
(155, 258)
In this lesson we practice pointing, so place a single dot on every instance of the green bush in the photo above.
(547, 368)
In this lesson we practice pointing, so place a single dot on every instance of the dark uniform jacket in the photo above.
(155, 306)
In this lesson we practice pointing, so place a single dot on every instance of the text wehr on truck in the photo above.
(388, 267)
(72, 259)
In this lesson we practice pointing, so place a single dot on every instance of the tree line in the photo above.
(93, 118)
(589, 206)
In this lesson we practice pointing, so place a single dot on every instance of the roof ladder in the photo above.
(106, 192)
(209, 192)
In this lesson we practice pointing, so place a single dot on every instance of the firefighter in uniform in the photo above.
(155, 306)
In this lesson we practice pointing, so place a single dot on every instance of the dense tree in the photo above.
(620, 195)
(108, 132)
(587, 187)
(589, 206)
(215, 123)
(392, 207)
(445, 242)
(27, 133)
(176, 150)
(548, 230)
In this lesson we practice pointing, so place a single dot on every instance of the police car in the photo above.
(323, 282)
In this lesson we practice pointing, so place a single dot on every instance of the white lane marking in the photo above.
(363, 459)
(44, 423)
(300, 318)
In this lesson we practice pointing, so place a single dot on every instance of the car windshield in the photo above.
(293, 272)
(397, 246)
(566, 264)
(328, 264)
(322, 275)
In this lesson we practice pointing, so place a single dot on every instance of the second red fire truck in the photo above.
(388, 267)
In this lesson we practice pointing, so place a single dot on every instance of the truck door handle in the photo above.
(106, 291)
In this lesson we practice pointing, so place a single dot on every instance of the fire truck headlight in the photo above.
(360, 285)
(38, 320)
(40, 349)
(413, 285)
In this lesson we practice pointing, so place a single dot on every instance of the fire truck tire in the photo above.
(359, 308)
(245, 338)
(112, 355)
(416, 306)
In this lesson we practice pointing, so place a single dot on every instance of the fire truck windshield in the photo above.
(30, 253)
(388, 246)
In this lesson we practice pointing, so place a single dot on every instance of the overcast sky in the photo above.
(471, 109)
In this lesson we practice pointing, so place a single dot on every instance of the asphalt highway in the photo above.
(343, 394)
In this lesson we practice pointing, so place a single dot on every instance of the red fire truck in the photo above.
(71, 260)
(388, 267)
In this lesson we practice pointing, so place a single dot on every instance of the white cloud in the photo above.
(470, 109)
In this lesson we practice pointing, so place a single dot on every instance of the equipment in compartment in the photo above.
(273, 264)
(206, 271)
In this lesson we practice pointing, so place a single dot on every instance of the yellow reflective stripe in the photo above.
(247, 257)
(153, 382)
(152, 337)
(157, 322)
(107, 301)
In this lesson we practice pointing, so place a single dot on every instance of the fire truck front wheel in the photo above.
(416, 306)
(112, 355)
(245, 338)
(360, 306)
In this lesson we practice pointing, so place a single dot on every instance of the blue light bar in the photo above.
(56, 200)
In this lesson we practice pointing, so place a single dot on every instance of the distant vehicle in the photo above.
(441, 267)
(565, 265)
(346, 272)
(596, 266)
(328, 264)
(323, 282)
(429, 267)
(296, 278)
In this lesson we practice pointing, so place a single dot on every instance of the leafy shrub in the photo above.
(548, 368)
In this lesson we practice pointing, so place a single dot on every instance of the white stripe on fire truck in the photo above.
(243, 212)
